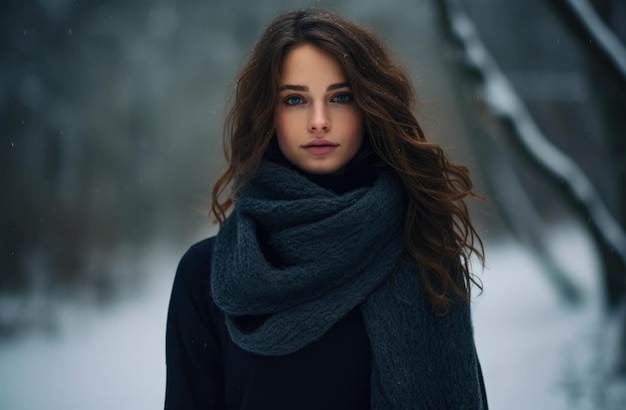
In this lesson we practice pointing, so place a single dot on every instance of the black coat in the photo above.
(206, 370)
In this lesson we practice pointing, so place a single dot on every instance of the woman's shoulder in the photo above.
(194, 267)
(199, 253)
(202, 247)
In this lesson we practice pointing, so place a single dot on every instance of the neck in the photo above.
(343, 182)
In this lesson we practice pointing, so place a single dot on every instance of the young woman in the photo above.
(340, 278)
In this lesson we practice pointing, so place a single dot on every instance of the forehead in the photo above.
(309, 63)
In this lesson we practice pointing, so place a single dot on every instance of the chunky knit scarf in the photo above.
(299, 257)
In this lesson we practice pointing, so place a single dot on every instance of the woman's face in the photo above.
(319, 127)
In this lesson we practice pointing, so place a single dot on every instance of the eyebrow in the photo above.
(331, 87)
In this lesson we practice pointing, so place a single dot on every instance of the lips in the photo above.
(320, 147)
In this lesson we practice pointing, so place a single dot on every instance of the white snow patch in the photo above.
(111, 358)
(531, 344)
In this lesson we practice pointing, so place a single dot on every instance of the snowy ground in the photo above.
(112, 359)
(533, 348)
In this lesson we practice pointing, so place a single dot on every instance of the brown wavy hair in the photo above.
(439, 236)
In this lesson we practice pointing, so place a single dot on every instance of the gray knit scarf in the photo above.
(329, 254)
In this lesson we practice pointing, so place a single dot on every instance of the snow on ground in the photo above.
(114, 359)
(532, 346)
(100, 359)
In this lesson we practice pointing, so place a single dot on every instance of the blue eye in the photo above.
(294, 100)
(343, 98)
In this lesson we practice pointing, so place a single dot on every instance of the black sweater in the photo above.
(206, 370)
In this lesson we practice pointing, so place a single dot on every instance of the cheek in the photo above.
(281, 141)
(356, 128)
(279, 127)
(282, 133)
(284, 124)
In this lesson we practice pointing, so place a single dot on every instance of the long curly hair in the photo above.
(438, 233)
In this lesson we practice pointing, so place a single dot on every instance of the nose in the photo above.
(319, 121)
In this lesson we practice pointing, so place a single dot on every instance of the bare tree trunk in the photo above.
(610, 94)
(564, 174)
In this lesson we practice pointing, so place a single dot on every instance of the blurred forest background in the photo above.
(111, 121)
